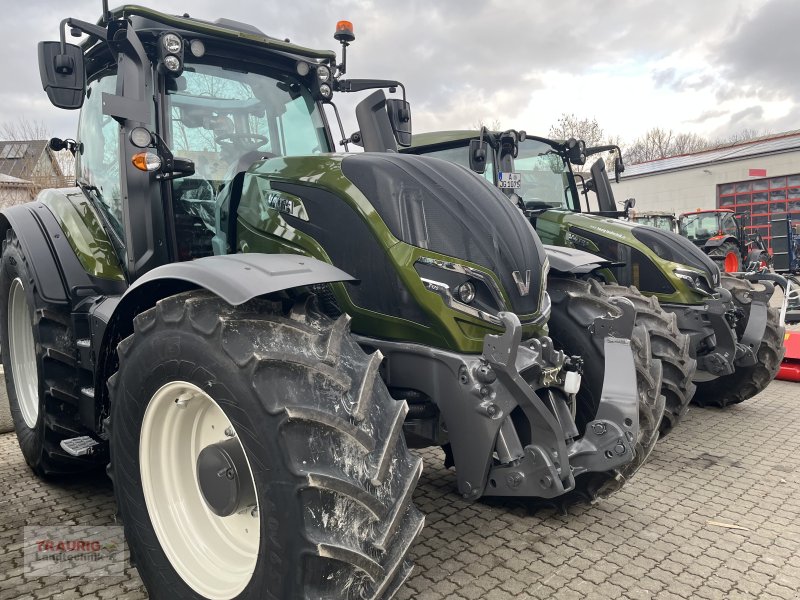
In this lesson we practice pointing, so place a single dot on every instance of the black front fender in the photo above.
(237, 278)
(571, 260)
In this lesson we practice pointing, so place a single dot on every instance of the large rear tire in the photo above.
(727, 257)
(667, 344)
(331, 515)
(39, 356)
(746, 382)
(576, 306)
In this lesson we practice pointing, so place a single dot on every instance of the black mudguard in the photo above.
(571, 260)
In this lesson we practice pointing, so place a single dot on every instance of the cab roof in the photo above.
(223, 28)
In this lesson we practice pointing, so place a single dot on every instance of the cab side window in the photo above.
(729, 224)
(98, 157)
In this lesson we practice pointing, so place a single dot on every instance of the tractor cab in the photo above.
(701, 226)
(723, 235)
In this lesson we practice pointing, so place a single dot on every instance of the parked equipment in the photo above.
(734, 334)
(723, 235)
(790, 367)
(181, 320)
(657, 219)
(785, 238)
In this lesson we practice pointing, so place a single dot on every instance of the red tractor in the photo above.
(722, 235)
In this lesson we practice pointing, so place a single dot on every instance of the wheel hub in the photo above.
(224, 478)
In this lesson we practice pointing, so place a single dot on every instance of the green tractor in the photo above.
(239, 324)
(734, 334)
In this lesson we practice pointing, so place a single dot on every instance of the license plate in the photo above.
(509, 180)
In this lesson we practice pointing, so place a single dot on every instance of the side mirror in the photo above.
(619, 167)
(63, 74)
(400, 118)
(576, 150)
(477, 156)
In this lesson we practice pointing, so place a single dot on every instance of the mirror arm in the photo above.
(76, 25)
(345, 140)
(608, 148)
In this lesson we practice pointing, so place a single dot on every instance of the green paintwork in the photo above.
(219, 31)
(262, 228)
(553, 225)
(84, 232)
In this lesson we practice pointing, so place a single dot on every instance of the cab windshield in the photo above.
(545, 181)
(221, 118)
(225, 120)
(700, 226)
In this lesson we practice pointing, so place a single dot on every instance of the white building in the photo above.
(760, 177)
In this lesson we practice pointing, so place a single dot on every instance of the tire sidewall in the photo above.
(14, 265)
(175, 354)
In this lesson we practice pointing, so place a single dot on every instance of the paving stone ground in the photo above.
(653, 539)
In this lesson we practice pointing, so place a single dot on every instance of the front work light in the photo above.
(172, 43)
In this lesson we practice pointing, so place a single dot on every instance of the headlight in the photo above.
(172, 43)
(325, 90)
(172, 63)
(466, 292)
(462, 288)
(324, 73)
(695, 280)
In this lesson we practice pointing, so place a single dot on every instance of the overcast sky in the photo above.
(712, 67)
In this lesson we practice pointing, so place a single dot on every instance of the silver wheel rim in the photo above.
(22, 350)
(215, 556)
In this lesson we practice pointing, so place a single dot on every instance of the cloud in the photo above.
(520, 62)
(753, 113)
(708, 115)
(762, 52)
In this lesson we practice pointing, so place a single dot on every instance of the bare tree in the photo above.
(570, 126)
(739, 137)
(24, 130)
(493, 125)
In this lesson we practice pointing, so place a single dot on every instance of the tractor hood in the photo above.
(656, 261)
(436, 205)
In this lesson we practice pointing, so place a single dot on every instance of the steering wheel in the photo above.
(257, 138)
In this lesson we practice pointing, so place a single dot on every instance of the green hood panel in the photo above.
(565, 228)
(84, 232)
(279, 192)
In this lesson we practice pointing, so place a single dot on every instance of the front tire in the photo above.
(746, 382)
(331, 514)
(576, 306)
(668, 345)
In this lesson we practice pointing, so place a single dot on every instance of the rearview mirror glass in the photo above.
(477, 156)
(63, 75)
(400, 118)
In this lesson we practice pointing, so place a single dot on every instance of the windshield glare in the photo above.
(545, 177)
(700, 226)
(659, 221)
(220, 117)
